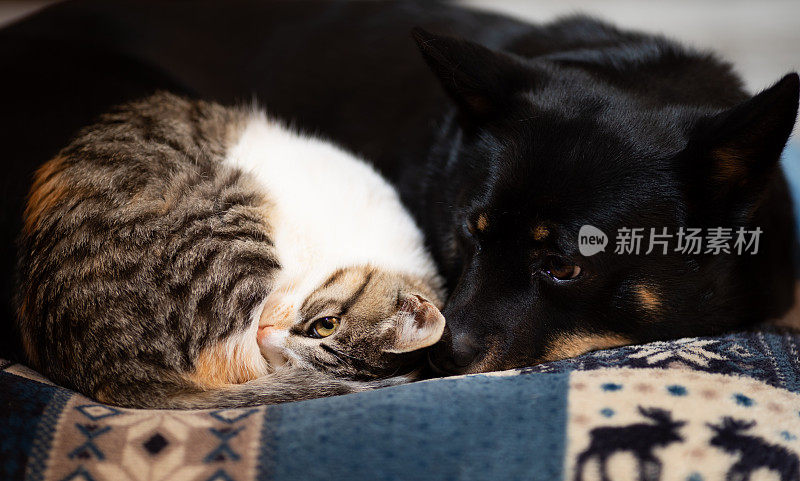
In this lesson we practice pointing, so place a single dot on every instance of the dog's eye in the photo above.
(468, 228)
(560, 270)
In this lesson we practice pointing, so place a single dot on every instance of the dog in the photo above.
(505, 139)
(612, 132)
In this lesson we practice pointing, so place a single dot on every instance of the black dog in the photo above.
(563, 125)
(612, 130)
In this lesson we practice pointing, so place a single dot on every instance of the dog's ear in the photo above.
(732, 155)
(479, 80)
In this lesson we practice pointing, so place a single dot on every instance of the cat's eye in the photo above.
(560, 270)
(324, 326)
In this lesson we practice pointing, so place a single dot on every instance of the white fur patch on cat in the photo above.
(329, 209)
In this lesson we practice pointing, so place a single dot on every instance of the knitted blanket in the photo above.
(700, 409)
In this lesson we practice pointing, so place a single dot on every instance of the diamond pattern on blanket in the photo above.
(100, 442)
(664, 425)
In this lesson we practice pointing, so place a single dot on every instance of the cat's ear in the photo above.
(732, 155)
(419, 325)
(479, 80)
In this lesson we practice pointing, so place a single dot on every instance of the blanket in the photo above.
(697, 409)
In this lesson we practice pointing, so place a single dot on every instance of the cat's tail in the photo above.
(284, 385)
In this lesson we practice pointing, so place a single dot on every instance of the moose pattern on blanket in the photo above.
(656, 424)
(725, 408)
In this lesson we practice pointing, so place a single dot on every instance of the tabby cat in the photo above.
(182, 254)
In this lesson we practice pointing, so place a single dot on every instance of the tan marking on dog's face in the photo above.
(540, 232)
(574, 344)
(648, 297)
(47, 190)
(220, 365)
(482, 223)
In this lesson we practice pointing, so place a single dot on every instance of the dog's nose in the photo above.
(464, 351)
(454, 354)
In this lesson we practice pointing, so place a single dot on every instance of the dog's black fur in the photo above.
(560, 125)
(613, 130)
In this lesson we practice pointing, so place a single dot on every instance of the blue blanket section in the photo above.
(474, 428)
(22, 406)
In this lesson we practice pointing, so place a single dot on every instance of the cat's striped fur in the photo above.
(175, 253)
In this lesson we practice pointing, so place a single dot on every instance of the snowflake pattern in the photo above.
(690, 350)
(760, 355)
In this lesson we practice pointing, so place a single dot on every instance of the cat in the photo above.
(182, 254)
